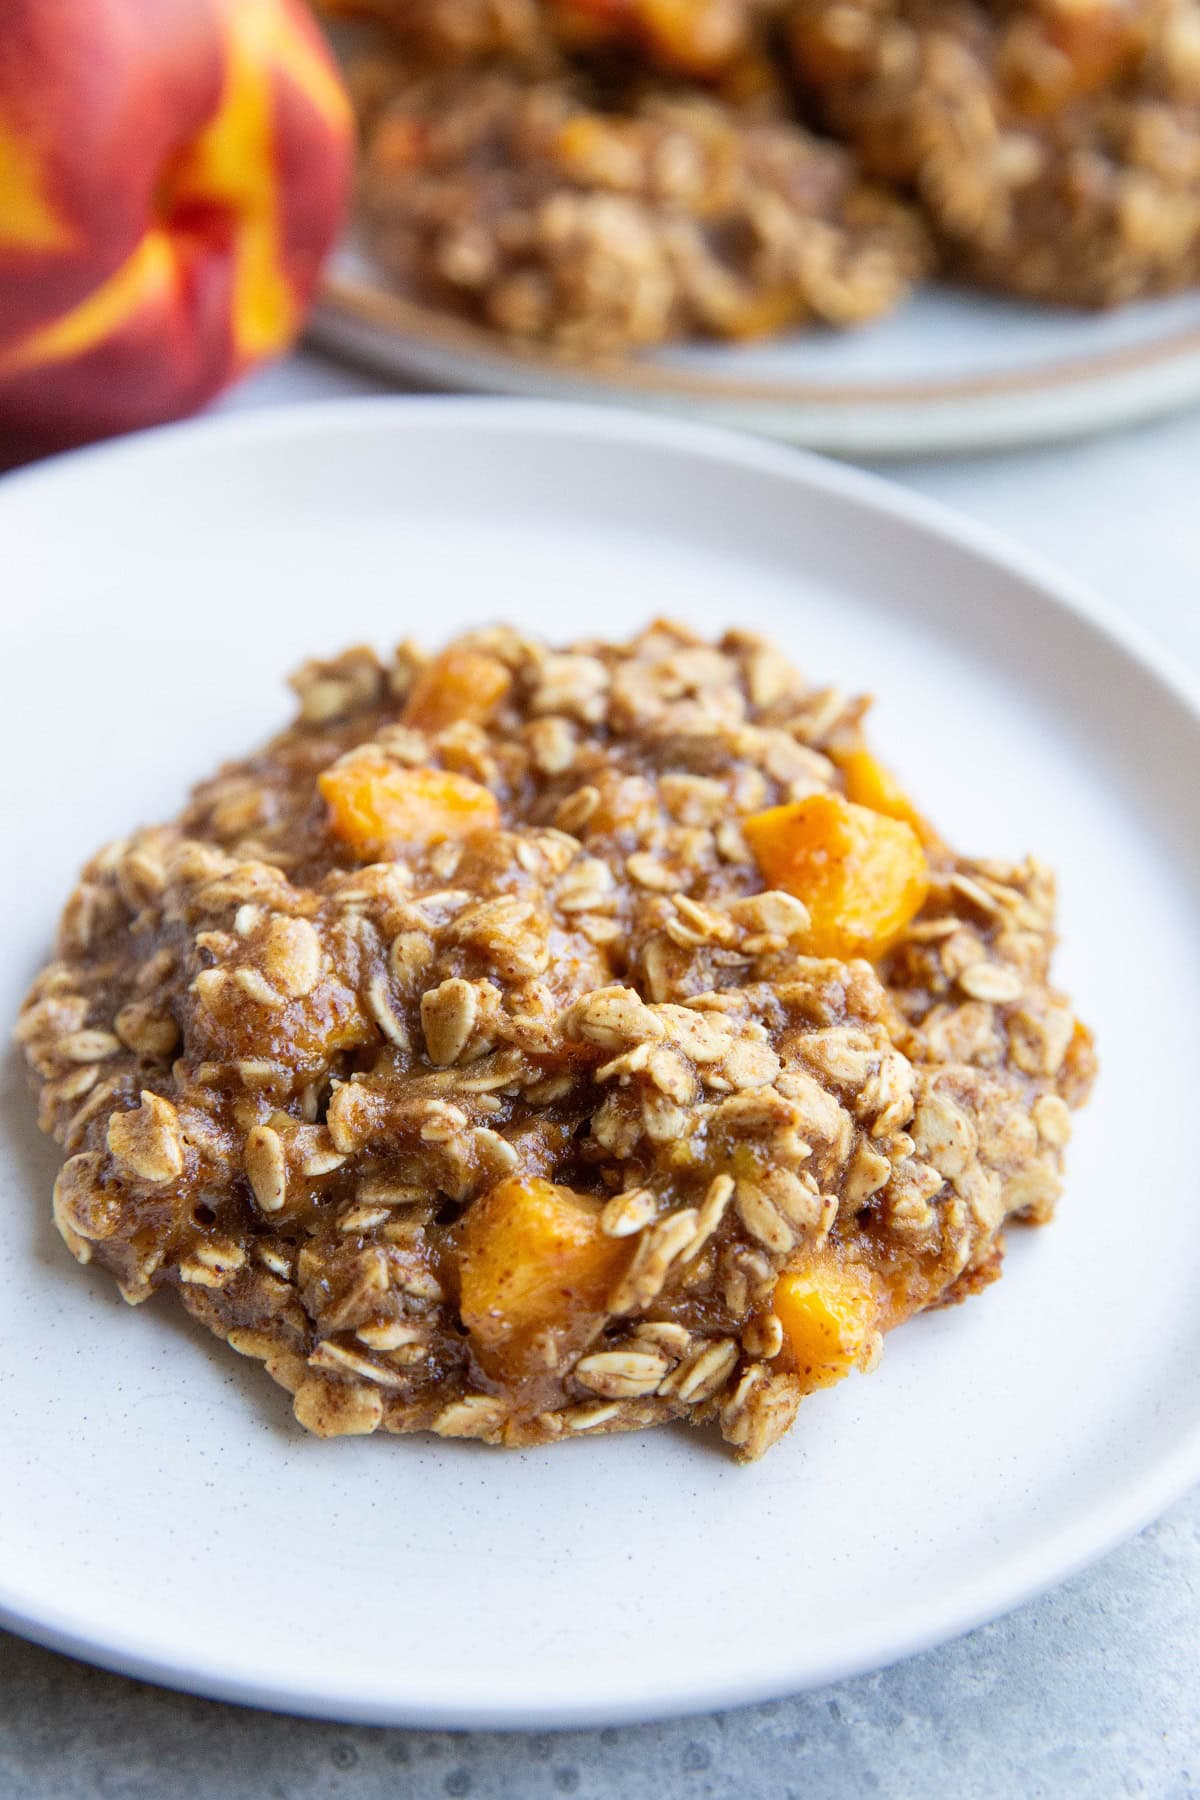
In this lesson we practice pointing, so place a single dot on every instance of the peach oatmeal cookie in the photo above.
(1054, 144)
(535, 212)
(530, 1042)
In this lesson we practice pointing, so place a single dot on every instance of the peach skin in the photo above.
(172, 175)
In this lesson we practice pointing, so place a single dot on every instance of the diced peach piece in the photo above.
(697, 36)
(532, 1255)
(862, 875)
(459, 684)
(1066, 58)
(379, 809)
(828, 1313)
(869, 783)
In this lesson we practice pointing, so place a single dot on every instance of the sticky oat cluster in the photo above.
(532, 1042)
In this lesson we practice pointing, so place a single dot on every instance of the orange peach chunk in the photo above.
(862, 875)
(460, 684)
(828, 1313)
(380, 809)
(532, 1255)
(700, 37)
(869, 783)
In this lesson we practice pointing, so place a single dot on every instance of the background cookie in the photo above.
(530, 208)
(1055, 148)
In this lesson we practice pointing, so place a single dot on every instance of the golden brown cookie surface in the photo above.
(455, 1057)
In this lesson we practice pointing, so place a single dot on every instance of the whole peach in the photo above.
(172, 175)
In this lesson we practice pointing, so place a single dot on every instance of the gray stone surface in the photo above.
(1091, 1691)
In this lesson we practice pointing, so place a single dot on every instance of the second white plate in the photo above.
(159, 1510)
(951, 371)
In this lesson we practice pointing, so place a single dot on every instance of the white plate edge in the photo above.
(1060, 1557)
(941, 425)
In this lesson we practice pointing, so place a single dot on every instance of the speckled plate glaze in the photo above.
(159, 1511)
(952, 371)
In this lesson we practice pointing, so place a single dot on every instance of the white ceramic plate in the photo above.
(158, 1510)
(952, 371)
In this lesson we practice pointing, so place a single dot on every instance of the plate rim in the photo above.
(380, 308)
(1068, 397)
(998, 1591)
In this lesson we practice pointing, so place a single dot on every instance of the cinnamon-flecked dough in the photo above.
(535, 1042)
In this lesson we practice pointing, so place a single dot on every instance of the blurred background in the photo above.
(878, 227)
